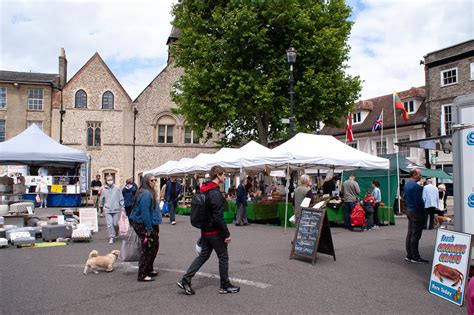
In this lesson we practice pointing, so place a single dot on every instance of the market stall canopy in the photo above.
(33, 145)
(310, 150)
(163, 169)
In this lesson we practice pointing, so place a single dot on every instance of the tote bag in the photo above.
(131, 247)
(123, 223)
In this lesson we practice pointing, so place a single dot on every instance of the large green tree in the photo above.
(236, 72)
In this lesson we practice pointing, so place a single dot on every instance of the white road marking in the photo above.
(129, 265)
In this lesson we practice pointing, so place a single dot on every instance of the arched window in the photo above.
(81, 99)
(166, 127)
(107, 100)
(93, 134)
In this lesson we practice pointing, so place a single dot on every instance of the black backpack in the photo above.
(199, 216)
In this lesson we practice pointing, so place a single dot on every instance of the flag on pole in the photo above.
(378, 124)
(397, 103)
(349, 134)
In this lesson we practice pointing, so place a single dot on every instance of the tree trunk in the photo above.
(262, 128)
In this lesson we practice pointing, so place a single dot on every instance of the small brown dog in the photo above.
(439, 220)
(106, 261)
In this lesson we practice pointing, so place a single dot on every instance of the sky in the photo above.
(388, 39)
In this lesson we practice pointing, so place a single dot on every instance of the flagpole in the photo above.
(396, 153)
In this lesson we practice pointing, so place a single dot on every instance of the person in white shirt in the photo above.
(431, 199)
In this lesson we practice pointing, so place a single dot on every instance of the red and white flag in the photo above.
(349, 134)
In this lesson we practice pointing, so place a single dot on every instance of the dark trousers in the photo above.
(209, 243)
(369, 219)
(241, 216)
(148, 251)
(430, 212)
(416, 221)
(376, 214)
(128, 210)
(348, 206)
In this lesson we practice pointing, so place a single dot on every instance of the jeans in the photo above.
(172, 211)
(416, 221)
(369, 218)
(376, 213)
(209, 243)
(430, 212)
(348, 206)
(241, 216)
(112, 223)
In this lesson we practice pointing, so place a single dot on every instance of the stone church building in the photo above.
(96, 115)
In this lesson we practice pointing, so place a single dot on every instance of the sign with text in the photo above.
(312, 235)
(89, 216)
(34, 180)
(451, 261)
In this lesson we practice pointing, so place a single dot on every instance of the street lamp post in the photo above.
(291, 55)
(135, 112)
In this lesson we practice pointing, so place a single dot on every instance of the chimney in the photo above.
(62, 69)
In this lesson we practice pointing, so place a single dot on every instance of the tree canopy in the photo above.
(236, 74)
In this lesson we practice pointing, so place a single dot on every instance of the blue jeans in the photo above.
(172, 211)
(348, 206)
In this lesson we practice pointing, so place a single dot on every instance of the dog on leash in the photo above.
(439, 220)
(95, 261)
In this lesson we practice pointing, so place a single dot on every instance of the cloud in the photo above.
(389, 38)
(129, 32)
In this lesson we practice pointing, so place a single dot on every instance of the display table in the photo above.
(57, 200)
(337, 215)
(16, 219)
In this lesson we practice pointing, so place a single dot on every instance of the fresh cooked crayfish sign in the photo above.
(441, 271)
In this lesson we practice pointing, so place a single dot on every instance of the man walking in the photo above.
(215, 236)
(172, 195)
(96, 189)
(112, 202)
(241, 202)
(351, 190)
(431, 199)
(416, 216)
(302, 191)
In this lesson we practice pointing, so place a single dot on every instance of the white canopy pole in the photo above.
(287, 190)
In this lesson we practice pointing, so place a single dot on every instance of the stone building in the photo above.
(375, 143)
(96, 116)
(26, 98)
(160, 134)
(449, 73)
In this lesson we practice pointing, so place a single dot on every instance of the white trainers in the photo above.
(111, 240)
(173, 223)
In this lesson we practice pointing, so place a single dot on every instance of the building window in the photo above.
(449, 76)
(446, 120)
(165, 133)
(409, 106)
(381, 147)
(3, 97)
(81, 99)
(35, 99)
(93, 134)
(356, 118)
(352, 144)
(190, 136)
(2, 130)
(404, 151)
(107, 100)
(38, 123)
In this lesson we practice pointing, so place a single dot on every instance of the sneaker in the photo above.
(111, 240)
(419, 261)
(183, 284)
(229, 288)
(408, 258)
(173, 223)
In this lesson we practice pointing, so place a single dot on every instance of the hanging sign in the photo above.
(451, 261)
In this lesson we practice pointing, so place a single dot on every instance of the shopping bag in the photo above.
(165, 208)
(131, 247)
(123, 223)
(38, 199)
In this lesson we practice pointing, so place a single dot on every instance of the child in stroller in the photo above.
(368, 203)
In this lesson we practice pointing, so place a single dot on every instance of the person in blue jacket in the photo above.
(145, 219)
(129, 192)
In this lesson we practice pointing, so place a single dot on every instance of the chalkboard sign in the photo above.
(312, 235)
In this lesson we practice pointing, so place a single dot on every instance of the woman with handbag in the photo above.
(145, 219)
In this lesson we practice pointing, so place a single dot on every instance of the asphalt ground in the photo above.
(370, 276)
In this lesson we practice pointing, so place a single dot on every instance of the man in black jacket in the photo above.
(215, 236)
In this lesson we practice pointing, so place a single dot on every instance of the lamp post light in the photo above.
(291, 55)
(135, 112)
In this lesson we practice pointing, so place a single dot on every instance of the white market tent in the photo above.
(163, 169)
(34, 146)
(310, 150)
